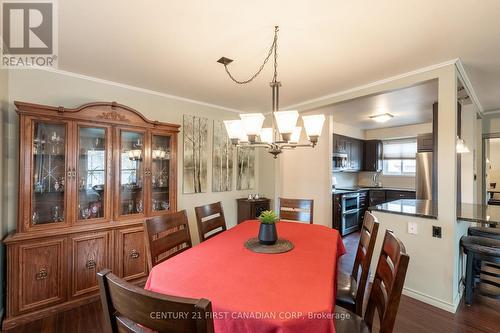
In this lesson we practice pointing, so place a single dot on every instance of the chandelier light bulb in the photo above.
(313, 124)
(295, 138)
(266, 135)
(286, 121)
(234, 128)
(252, 123)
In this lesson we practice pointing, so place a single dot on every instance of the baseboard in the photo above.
(436, 302)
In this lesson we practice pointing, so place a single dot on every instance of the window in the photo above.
(399, 157)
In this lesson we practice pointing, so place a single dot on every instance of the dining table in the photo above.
(259, 292)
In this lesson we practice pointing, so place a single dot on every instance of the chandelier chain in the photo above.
(273, 47)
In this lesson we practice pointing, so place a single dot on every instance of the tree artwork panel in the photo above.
(222, 159)
(195, 134)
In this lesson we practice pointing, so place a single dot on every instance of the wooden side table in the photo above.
(251, 209)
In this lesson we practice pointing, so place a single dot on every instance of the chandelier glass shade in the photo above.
(284, 133)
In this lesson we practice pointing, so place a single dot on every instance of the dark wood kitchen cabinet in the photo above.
(372, 152)
(377, 197)
(339, 144)
(352, 147)
(391, 195)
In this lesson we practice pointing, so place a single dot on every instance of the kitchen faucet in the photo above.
(375, 179)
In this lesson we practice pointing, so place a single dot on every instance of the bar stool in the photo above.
(484, 232)
(478, 248)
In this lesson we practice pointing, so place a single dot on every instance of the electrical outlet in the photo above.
(412, 228)
(436, 231)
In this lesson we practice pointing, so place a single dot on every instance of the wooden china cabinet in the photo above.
(88, 179)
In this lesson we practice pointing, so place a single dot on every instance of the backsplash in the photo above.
(346, 179)
(365, 179)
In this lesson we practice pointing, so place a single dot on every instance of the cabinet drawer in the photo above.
(131, 256)
(42, 268)
(396, 195)
(90, 254)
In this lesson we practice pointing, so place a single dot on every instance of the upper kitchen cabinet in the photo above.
(347, 152)
(372, 152)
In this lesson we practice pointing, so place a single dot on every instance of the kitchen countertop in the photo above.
(409, 207)
(488, 214)
(342, 190)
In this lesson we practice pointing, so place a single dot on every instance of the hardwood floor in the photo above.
(413, 316)
(418, 317)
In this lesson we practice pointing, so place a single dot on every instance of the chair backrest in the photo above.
(364, 253)
(296, 210)
(128, 308)
(167, 235)
(388, 283)
(210, 219)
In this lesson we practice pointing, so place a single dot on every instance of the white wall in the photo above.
(55, 88)
(306, 173)
(468, 164)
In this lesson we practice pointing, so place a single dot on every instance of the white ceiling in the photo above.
(409, 106)
(324, 46)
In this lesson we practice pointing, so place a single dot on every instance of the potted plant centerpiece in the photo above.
(267, 231)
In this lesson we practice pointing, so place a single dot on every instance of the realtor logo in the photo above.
(28, 34)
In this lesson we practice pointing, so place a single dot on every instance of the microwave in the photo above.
(339, 162)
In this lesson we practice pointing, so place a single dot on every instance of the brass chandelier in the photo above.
(284, 134)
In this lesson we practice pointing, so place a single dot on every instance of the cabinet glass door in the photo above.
(131, 176)
(160, 173)
(49, 141)
(91, 173)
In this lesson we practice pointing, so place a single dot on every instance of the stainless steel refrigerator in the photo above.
(423, 179)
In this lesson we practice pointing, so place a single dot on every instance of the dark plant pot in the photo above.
(268, 234)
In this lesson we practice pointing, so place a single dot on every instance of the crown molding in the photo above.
(462, 73)
(303, 106)
(135, 88)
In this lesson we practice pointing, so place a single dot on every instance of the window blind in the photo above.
(401, 149)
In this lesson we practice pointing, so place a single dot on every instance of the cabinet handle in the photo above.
(134, 254)
(42, 274)
(69, 173)
(90, 264)
(147, 172)
(73, 174)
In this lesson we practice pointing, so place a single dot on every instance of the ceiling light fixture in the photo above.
(284, 133)
(381, 118)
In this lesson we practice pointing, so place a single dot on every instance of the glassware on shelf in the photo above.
(39, 187)
(86, 213)
(139, 206)
(57, 215)
(130, 207)
(59, 185)
(165, 205)
(35, 217)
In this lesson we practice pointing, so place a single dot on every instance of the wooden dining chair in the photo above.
(351, 287)
(128, 308)
(300, 210)
(168, 235)
(210, 220)
(385, 292)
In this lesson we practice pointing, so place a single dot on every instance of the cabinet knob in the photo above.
(134, 254)
(90, 264)
(42, 274)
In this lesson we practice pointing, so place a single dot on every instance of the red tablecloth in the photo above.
(259, 293)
